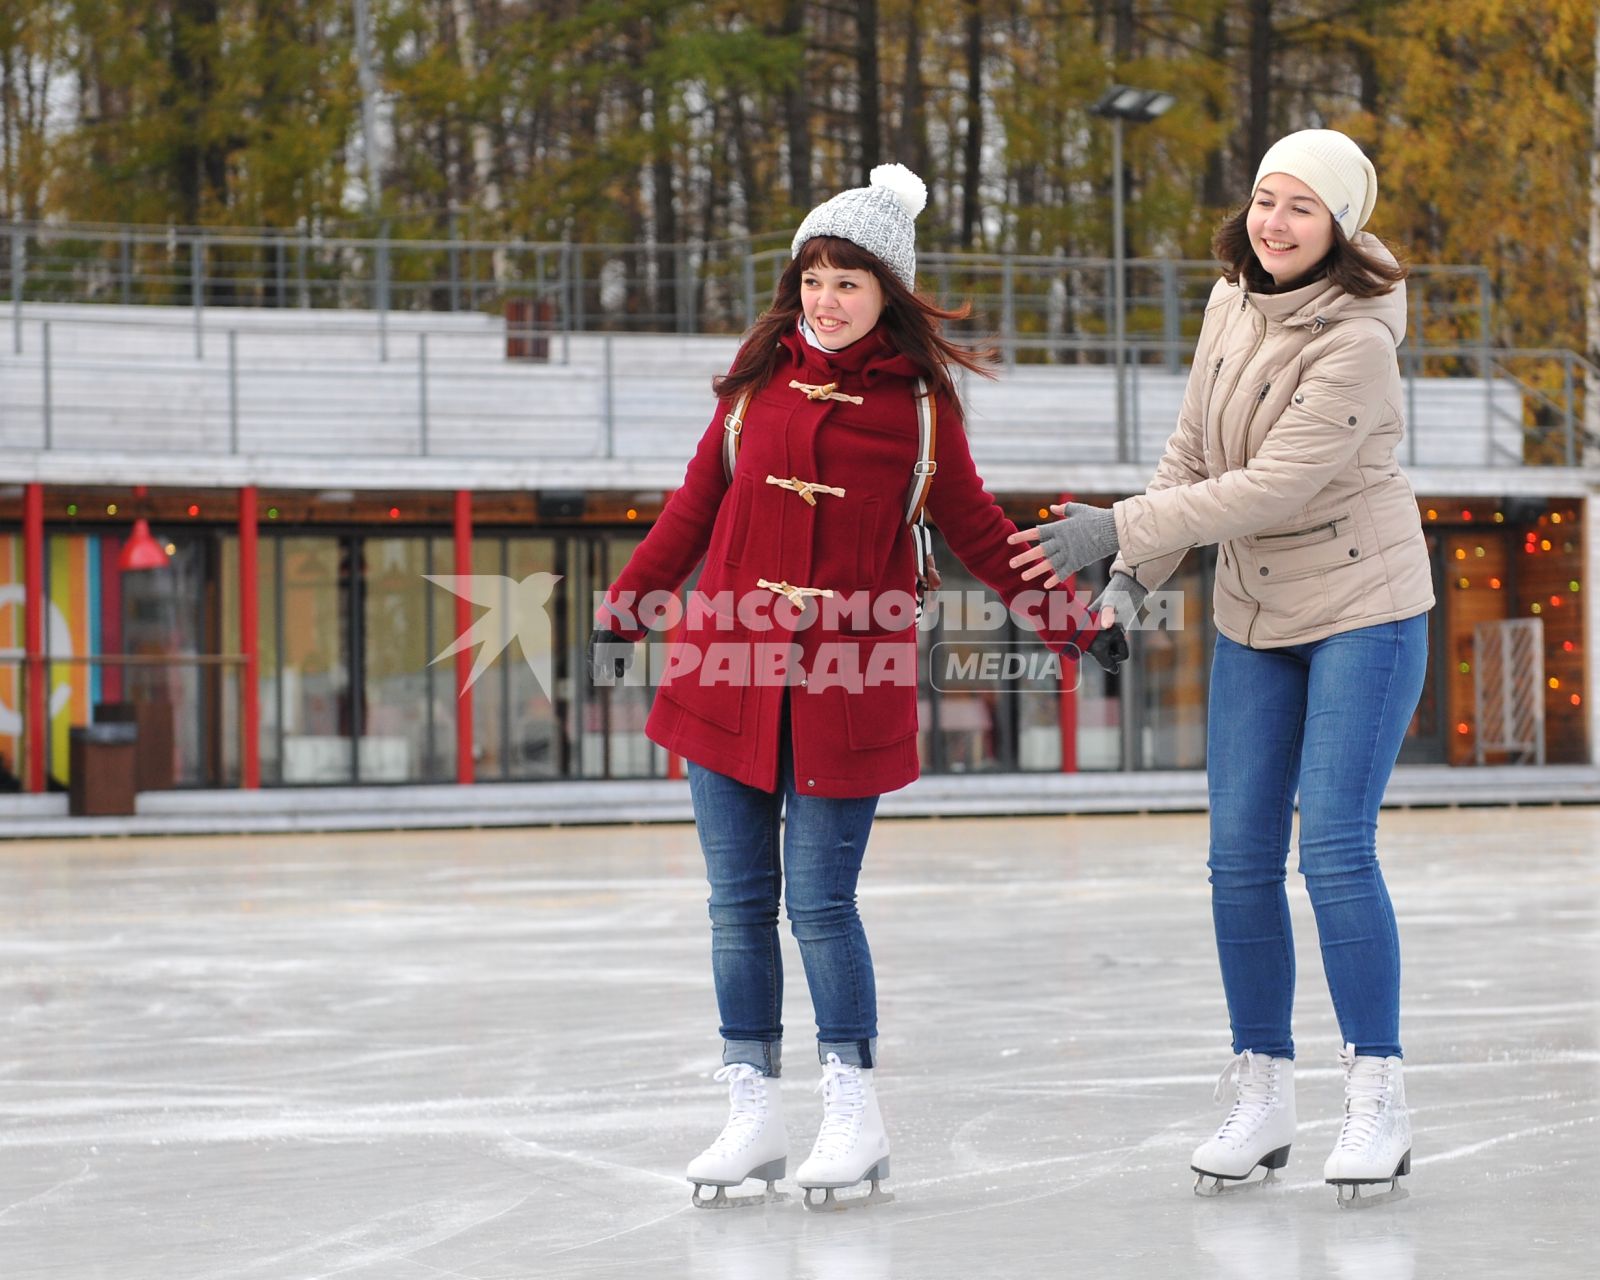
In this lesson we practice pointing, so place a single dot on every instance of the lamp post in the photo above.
(1118, 104)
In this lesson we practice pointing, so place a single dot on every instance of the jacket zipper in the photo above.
(1244, 304)
(1261, 339)
(1211, 394)
(1260, 400)
(1332, 526)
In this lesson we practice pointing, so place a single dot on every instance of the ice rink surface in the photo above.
(488, 1055)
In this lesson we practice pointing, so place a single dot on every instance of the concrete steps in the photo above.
(311, 382)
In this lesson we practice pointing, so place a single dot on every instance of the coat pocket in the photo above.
(870, 683)
(870, 556)
(1288, 555)
(713, 686)
(738, 529)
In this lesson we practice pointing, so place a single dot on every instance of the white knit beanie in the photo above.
(1331, 165)
(881, 218)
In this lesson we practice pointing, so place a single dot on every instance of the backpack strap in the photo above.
(927, 438)
(917, 501)
(732, 426)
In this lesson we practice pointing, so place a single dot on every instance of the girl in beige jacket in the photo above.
(1284, 455)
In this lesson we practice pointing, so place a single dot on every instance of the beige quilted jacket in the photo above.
(1285, 455)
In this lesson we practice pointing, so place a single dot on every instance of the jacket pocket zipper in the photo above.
(1331, 526)
(1211, 392)
(1261, 399)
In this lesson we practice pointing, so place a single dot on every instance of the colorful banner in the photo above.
(72, 630)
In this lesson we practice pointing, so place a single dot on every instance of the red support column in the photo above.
(463, 546)
(1069, 694)
(36, 728)
(249, 643)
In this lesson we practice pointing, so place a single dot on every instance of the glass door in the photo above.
(407, 714)
(309, 690)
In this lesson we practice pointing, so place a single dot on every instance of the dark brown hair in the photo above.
(912, 323)
(1357, 272)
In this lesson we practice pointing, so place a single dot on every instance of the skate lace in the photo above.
(747, 1102)
(843, 1104)
(1256, 1088)
(1366, 1095)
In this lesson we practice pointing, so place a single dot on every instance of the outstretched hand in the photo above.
(1061, 548)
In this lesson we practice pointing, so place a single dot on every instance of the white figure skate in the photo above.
(1374, 1143)
(1258, 1131)
(753, 1144)
(852, 1146)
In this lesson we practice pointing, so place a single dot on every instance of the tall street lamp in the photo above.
(1118, 104)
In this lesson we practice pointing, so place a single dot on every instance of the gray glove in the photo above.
(610, 656)
(1084, 535)
(1124, 596)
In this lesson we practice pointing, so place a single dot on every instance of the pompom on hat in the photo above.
(1331, 165)
(880, 218)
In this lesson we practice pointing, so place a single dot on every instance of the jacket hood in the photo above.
(868, 358)
(1324, 302)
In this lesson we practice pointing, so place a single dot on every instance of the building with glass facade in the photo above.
(316, 480)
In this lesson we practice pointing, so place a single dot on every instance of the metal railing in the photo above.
(711, 287)
(1040, 310)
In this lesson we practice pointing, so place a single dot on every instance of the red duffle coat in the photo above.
(850, 678)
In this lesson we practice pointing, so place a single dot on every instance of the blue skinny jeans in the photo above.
(1326, 719)
(823, 842)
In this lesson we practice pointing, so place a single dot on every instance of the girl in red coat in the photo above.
(793, 691)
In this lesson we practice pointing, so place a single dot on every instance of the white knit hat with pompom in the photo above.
(881, 218)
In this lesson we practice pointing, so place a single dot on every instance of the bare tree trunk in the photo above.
(973, 161)
(1122, 30)
(1260, 82)
(746, 138)
(1591, 398)
(1215, 192)
(797, 113)
(913, 142)
(487, 191)
(10, 201)
(868, 111)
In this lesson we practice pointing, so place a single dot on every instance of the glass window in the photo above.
(1172, 672)
(164, 616)
(313, 696)
(968, 715)
(536, 742)
(1097, 702)
(614, 742)
(400, 689)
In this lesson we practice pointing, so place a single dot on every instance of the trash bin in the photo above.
(102, 762)
(155, 768)
(528, 325)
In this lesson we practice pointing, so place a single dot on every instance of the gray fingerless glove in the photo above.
(1124, 595)
(1084, 535)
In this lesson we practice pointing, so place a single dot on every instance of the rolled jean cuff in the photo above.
(853, 1053)
(766, 1056)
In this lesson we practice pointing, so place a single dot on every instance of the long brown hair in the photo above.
(912, 323)
(1357, 272)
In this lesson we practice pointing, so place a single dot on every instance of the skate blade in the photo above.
(830, 1203)
(1210, 1185)
(722, 1200)
(1352, 1194)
